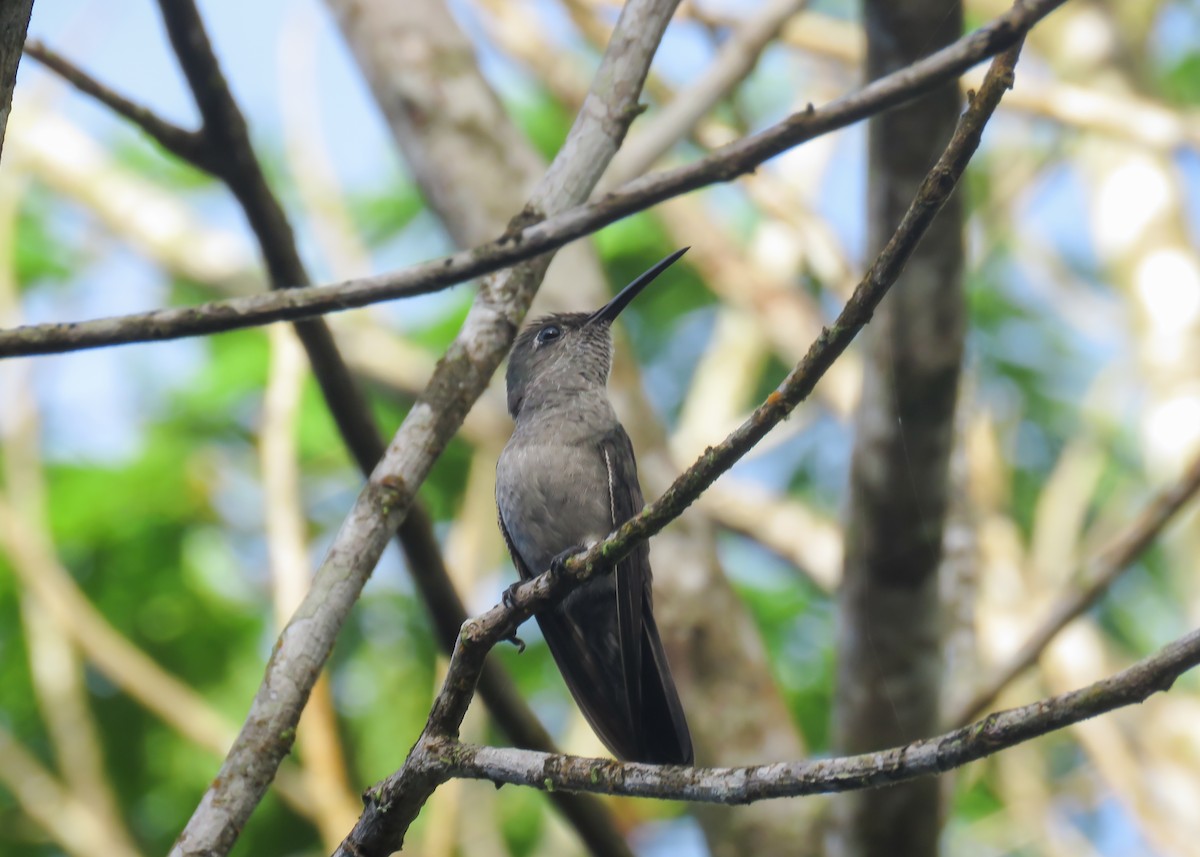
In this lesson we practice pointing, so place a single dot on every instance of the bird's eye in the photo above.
(549, 333)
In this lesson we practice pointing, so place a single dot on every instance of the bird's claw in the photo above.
(509, 600)
(558, 565)
(516, 641)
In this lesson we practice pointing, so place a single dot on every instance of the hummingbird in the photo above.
(565, 480)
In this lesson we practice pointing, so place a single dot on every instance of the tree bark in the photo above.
(14, 24)
(889, 658)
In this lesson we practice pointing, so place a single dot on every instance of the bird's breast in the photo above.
(552, 497)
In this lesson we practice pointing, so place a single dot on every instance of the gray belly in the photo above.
(551, 499)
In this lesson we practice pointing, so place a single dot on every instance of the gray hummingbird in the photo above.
(565, 480)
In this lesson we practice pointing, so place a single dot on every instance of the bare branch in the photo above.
(738, 56)
(996, 732)
(325, 775)
(179, 706)
(395, 803)
(190, 146)
(1093, 582)
(14, 24)
(305, 643)
(525, 242)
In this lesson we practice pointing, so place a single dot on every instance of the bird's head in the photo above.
(560, 355)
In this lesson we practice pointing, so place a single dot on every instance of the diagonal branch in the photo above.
(460, 378)
(1096, 579)
(191, 146)
(395, 803)
(998, 731)
(225, 131)
(735, 60)
(14, 24)
(525, 242)
(222, 147)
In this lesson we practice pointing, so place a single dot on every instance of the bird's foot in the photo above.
(516, 641)
(509, 600)
(558, 565)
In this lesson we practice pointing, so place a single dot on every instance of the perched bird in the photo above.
(565, 480)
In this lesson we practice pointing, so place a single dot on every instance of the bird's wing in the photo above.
(574, 635)
(660, 731)
(632, 574)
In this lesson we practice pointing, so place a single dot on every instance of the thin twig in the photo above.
(394, 804)
(1096, 579)
(736, 58)
(526, 242)
(190, 146)
(325, 773)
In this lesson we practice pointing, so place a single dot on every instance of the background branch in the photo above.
(14, 23)
(191, 146)
(1094, 580)
(889, 649)
(71, 822)
(525, 242)
(738, 56)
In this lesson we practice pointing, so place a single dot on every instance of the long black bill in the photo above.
(612, 309)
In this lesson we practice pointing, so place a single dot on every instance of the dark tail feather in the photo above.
(666, 739)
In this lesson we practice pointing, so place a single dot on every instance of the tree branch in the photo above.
(994, 733)
(463, 373)
(737, 57)
(525, 242)
(1095, 579)
(190, 146)
(229, 155)
(417, 539)
(888, 674)
(14, 24)
(395, 803)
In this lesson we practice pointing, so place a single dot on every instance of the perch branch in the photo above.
(954, 749)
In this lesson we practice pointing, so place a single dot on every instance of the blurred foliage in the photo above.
(42, 256)
(141, 155)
